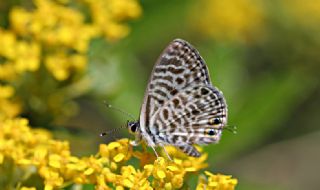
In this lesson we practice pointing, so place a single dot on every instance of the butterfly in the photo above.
(181, 107)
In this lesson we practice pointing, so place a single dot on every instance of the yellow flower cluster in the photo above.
(229, 20)
(54, 37)
(108, 15)
(19, 56)
(52, 29)
(217, 182)
(33, 152)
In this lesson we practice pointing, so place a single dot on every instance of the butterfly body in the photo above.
(181, 107)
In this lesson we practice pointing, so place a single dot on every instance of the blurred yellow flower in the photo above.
(27, 56)
(59, 28)
(8, 107)
(21, 55)
(229, 20)
(62, 65)
(54, 37)
(28, 188)
(7, 71)
(33, 151)
(6, 91)
(8, 39)
(108, 16)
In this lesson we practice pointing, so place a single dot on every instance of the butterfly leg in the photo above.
(165, 151)
(188, 149)
(155, 151)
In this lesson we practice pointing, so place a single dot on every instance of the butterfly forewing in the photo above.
(179, 66)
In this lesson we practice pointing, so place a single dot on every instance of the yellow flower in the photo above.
(108, 16)
(9, 109)
(230, 20)
(35, 152)
(133, 179)
(217, 182)
(52, 178)
(6, 91)
(28, 188)
(23, 55)
(27, 56)
(8, 43)
(59, 28)
(7, 71)
(61, 64)
(55, 35)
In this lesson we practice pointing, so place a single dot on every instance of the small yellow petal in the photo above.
(104, 160)
(89, 171)
(173, 168)
(48, 187)
(177, 161)
(148, 167)
(208, 173)
(190, 169)
(40, 153)
(54, 161)
(160, 161)
(24, 161)
(111, 177)
(177, 181)
(103, 149)
(28, 188)
(113, 145)
(113, 166)
(73, 159)
(79, 180)
(213, 184)
(234, 181)
(168, 186)
(127, 183)
(119, 157)
(119, 188)
(6, 91)
(161, 174)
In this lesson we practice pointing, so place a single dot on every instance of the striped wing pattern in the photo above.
(186, 119)
(180, 102)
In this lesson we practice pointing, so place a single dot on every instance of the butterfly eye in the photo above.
(211, 132)
(132, 126)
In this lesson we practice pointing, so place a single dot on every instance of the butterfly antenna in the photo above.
(231, 128)
(111, 131)
(119, 110)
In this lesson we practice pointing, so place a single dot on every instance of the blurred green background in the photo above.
(265, 57)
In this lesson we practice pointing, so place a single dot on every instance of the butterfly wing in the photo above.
(195, 115)
(179, 66)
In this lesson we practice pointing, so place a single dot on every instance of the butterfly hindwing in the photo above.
(190, 115)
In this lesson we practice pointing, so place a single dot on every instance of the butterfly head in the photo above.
(133, 126)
